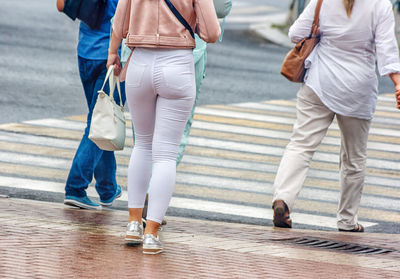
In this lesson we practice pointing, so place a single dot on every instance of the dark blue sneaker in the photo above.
(83, 202)
(111, 200)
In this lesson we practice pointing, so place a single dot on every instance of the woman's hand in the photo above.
(396, 81)
(397, 94)
(60, 5)
(113, 59)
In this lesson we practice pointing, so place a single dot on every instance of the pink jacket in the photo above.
(150, 23)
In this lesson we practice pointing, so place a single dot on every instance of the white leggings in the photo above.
(160, 91)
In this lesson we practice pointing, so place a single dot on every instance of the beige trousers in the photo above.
(312, 123)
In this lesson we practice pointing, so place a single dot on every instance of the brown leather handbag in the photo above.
(293, 67)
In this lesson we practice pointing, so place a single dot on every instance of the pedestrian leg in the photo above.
(313, 120)
(353, 157)
(88, 154)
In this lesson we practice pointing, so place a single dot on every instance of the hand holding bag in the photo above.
(293, 67)
(107, 129)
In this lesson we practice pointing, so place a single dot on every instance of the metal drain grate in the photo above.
(340, 246)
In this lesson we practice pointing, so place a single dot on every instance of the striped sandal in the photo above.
(281, 214)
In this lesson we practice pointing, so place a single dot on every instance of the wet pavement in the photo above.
(50, 240)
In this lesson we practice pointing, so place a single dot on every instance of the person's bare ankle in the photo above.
(152, 228)
(134, 220)
(135, 214)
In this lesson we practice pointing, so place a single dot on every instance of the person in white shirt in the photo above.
(340, 81)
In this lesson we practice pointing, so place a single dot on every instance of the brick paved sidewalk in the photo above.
(48, 240)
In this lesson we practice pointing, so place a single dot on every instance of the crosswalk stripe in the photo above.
(383, 120)
(38, 140)
(253, 212)
(276, 151)
(384, 116)
(384, 103)
(234, 134)
(247, 19)
(58, 123)
(43, 131)
(315, 175)
(263, 173)
(49, 132)
(53, 141)
(126, 152)
(265, 178)
(262, 187)
(232, 157)
(29, 149)
(74, 125)
(317, 178)
(36, 150)
(264, 106)
(281, 120)
(251, 10)
(282, 135)
(246, 157)
(274, 126)
(264, 200)
(283, 127)
(34, 172)
(42, 161)
(386, 98)
(236, 137)
(257, 148)
(185, 203)
(38, 184)
(67, 124)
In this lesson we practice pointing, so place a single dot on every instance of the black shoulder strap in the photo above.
(179, 17)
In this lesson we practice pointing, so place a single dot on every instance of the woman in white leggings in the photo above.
(160, 89)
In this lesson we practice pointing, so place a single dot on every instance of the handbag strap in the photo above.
(180, 17)
(112, 80)
(315, 24)
(109, 71)
(116, 80)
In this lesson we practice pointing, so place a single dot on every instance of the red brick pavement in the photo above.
(45, 240)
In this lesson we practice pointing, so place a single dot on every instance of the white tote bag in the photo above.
(107, 129)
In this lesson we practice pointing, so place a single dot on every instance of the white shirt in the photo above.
(341, 69)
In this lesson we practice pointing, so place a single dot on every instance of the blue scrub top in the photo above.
(93, 44)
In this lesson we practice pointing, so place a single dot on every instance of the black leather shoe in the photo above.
(281, 214)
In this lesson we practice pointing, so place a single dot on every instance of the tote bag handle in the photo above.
(112, 80)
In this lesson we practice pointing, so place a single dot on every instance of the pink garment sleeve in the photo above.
(207, 25)
(121, 19)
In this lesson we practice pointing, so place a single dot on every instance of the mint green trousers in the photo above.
(200, 60)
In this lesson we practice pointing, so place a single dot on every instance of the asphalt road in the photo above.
(39, 73)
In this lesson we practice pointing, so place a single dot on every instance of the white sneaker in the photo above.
(134, 233)
(152, 245)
